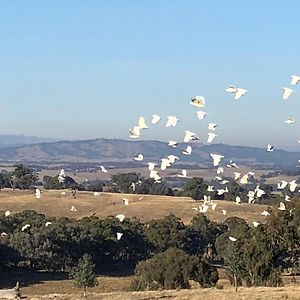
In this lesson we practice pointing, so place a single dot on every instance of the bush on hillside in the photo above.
(174, 269)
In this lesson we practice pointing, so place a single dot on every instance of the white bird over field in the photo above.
(182, 173)
(210, 188)
(212, 126)
(48, 223)
(220, 170)
(139, 157)
(211, 137)
(239, 93)
(198, 101)
(251, 196)
(224, 212)
(119, 235)
(172, 158)
(172, 121)
(290, 121)
(73, 208)
(120, 217)
(165, 162)
(244, 179)
(232, 239)
(190, 136)
(155, 119)
(142, 123)
(126, 201)
(265, 213)
(37, 194)
(188, 150)
(255, 224)
(295, 79)
(132, 186)
(4, 234)
(286, 93)
(96, 194)
(222, 191)
(155, 176)
(238, 200)
(201, 114)
(7, 213)
(281, 206)
(231, 89)
(207, 199)
(287, 198)
(282, 184)
(214, 206)
(102, 168)
(216, 158)
(61, 176)
(237, 175)
(293, 185)
(259, 192)
(151, 166)
(203, 208)
(25, 227)
(173, 144)
(232, 165)
(135, 132)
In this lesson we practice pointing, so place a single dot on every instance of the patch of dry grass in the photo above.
(53, 286)
(53, 204)
(263, 293)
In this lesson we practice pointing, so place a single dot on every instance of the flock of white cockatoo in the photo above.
(166, 162)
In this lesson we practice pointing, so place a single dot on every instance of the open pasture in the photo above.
(144, 207)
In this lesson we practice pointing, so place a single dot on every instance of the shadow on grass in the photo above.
(27, 277)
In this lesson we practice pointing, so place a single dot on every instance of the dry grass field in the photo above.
(200, 294)
(144, 207)
(118, 288)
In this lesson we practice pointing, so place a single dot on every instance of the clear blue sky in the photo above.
(85, 69)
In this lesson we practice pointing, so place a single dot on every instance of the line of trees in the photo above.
(177, 252)
(23, 177)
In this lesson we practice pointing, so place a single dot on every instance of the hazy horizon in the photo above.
(81, 70)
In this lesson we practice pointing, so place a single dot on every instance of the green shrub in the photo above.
(173, 269)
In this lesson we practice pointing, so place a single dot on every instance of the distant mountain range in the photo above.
(116, 150)
(14, 140)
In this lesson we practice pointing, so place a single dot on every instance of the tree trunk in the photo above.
(235, 282)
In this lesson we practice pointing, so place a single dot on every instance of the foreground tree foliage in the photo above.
(254, 259)
(174, 269)
(84, 273)
(166, 233)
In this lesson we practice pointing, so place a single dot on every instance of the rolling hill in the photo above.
(116, 150)
(53, 204)
(15, 140)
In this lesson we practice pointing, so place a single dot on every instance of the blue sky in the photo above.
(86, 69)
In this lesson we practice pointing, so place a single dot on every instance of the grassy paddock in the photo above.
(53, 204)
(41, 285)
